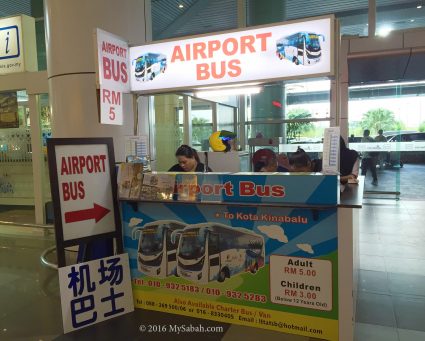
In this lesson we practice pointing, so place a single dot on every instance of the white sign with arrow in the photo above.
(85, 190)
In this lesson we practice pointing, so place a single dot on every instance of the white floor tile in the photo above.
(372, 332)
(410, 335)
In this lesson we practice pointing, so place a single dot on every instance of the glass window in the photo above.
(169, 129)
(225, 118)
(16, 173)
(295, 112)
(202, 123)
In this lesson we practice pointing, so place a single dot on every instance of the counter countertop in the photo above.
(352, 197)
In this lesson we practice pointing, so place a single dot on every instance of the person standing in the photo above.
(381, 155)
(368, 158)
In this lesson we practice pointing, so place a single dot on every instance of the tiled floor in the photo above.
(391, 300)
(399, 179)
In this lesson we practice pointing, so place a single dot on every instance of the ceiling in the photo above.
(12, 7)
(173, 18)
(201, 16)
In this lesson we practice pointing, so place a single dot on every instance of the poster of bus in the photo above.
(259, 265)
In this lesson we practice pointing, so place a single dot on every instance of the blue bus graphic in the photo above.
(300, 48)
(149, 65)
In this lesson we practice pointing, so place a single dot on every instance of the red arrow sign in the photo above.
(96, 213)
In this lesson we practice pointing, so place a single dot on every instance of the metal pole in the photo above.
(372, 19)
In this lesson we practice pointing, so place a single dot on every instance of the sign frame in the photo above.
(60, 242)
(331, 73)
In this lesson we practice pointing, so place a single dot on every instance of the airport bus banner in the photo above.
(261, 266)
(296, 189)
(293, 49)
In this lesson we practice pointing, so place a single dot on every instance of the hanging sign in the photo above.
(17, 34)
(292, 50)
(82, 176)
(113, 77)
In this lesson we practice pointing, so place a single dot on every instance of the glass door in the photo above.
(393, 114)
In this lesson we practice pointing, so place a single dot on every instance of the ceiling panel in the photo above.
(13, 7)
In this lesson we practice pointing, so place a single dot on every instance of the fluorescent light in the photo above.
(229, 92)
(412, 20)
(419, 6)
(230, 86)
(181, 6)
(384, 31)
(384, 85)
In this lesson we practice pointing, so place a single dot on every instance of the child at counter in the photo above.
(301, 162)
(268, 159)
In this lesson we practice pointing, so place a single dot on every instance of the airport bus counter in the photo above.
(273, 251)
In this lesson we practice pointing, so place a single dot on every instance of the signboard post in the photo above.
(83, 178)
(113, 77)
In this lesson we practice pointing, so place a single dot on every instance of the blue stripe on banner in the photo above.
(321, 249)
(187, 213)
(325, 193)
(242, 210)
(130, 243)
(133, 263)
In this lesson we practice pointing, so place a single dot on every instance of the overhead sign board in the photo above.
(95, 291)
(17, 45)
(82, 177)
(291, 50)
(113, 77)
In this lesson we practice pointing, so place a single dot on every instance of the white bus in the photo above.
(156, 254)
(211, 251)
(300, 48)
(149, 65)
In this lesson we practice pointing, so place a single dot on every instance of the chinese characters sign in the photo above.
(95, 291)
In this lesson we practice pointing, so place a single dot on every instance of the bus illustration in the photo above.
(156, 253)
(300, 48)
(149, 65)
(211, 251)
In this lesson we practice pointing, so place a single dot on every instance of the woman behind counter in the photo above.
(188, 160)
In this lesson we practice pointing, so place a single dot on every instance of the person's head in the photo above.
(268, 157)
(352, 135)
(366, 132)
(260, 167)
(283, 160)
(380, 132)
(300, 161)
(187, 157)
